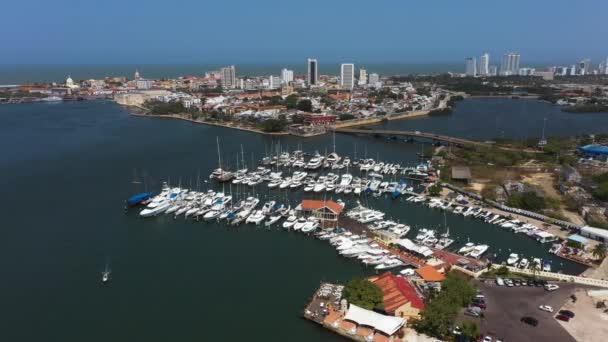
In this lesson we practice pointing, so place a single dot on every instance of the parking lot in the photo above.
(590, 323)
(507, 305)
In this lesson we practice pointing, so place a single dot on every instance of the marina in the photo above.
(92, 167)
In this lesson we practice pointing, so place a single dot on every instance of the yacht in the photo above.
(320, 184)
(311, 225)
(478, 251)
(366, 165)
(513, 258)
(160, 207)
(291, 220)
(546, 265)
(537, 263)
(105, 276)
(268, 206)
(256, 217)
(274, 218)
(275, 183)
(523, 263)
(390, 263)
(314, 163)
(299, 223)
(466, 248)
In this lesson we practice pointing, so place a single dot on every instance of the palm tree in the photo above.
(599, 251)
(535, 267)
(470, 329)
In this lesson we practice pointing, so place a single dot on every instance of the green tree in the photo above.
(291, 101)
(470, 329)
(599, 251)
(275, 100)
(274, 125)
(435, 189)
(305, 105)
(344, 117)
(363, 293)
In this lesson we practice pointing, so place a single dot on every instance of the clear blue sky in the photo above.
(239, 31)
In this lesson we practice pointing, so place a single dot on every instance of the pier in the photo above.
(414, 134)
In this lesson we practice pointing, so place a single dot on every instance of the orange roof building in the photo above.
(430, 274)
(399, 296)
(326, 211)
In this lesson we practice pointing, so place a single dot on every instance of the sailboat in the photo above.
(220, 174)
(105, 274)
(444, 240)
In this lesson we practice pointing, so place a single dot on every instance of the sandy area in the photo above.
(543, 180)
(589, 324)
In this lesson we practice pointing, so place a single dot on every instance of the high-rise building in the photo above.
(584, 67)
(286, 76)
(347, 75)
(604, 67)
(312, 75)
(483, 69)
(470, 66)
(493, 70)
(362, 76)
(228, 77)
(274, 82)
(510, 64)
(374, 79)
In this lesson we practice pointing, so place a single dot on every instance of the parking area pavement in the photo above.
(589, 324)
(507, 305)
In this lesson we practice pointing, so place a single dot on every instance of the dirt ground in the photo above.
(589, 324)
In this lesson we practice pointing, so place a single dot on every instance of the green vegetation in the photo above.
(586, 108)
(574, 244)
(344, 117)
(441, 111)
(599, 251)
(275, 100)
(274, 125)
(363, 293)
(304, 105)
(601, 191)
(469, 329)
(163, 108)
(529, 200)
(490, 154)
(440, 313)
(291, 101)
(435, 189)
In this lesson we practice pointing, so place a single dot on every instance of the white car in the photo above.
(551, 287)
(457, 331)
(487, 339)
(546, 308)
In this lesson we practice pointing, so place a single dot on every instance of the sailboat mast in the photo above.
(219, 158)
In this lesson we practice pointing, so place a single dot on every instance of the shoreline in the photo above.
(178, 117)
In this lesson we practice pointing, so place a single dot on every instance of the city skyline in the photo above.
(145, 37)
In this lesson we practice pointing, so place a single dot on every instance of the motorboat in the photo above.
(390, 263)
(546, 265)
(105, 276)
(256, 217)
(513, 258)
(466, 248)
(311, 225)
(523, 263)
(159, 208)
(314, 163)
(478, 251)
(299, 223)
(272, 219)
(268, 206)
(291, 220)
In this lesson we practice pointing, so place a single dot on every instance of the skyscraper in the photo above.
(510, 64)
(362, 76)
(374, 79)
(312, 72)
(584, 67)
(286, 76)
(228, 77)
(483, 69)
(274, 82)
(470, 66)
(347, 75)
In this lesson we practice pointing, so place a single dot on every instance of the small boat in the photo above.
(478, 251)
(291, 220)
(299, 223)
(523, 263)
(546, 265)
(256, 217)
(466, 248)
(138, 199)
(513, 258)
(272, 220)
(311, 225)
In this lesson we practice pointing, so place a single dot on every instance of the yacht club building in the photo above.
(326, 211)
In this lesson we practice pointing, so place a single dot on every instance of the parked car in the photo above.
(487, 339)
(567, 313)
(546, 308)
(473, 311)
(516, 282)
(530, 320)
(480, 305)
(457, 331)
(529, 283)
(537, 283)
(562, 318)
(551, 287)
(509, 282)
(500, 282)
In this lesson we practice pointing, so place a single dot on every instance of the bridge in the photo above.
(413, 134)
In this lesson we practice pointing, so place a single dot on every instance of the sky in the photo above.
(270, 31)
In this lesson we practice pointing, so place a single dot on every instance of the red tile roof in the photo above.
(397, 292)
(332, 317)
(429, 273)
(316, 205)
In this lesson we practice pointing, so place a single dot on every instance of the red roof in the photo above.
(316, 205)
(397, 292)
(429, 273)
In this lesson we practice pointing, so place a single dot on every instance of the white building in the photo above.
(470, 66)
(312, 76)
(228, 77)
(510, 64)
(526, 71)
(275, 82)
(483, 68)
(493, 70)
(374, 79)
(347, 75)
(143, 83)
(286, 76)
(584, 67)
(362, 76)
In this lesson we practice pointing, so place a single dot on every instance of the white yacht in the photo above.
(523, 263)
(478, 251)
(256, 217)
(390, 263)
(314, 163)
(311, 225)
(160, 207)
(272, 220)
(466, 248)
(299, 223)
(291, 220)
(513, 258)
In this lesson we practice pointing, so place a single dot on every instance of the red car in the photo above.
(563, 318)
